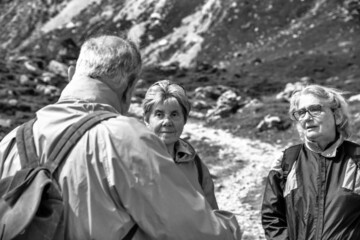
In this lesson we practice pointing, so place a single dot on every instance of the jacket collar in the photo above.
(90, 90)
(328, 152)
(184, 152)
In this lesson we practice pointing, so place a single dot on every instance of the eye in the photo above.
(176, 114)
(315, 108)
(158, 114)
(300, 112)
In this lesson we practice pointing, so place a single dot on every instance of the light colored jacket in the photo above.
(123, 156)
(185, 158)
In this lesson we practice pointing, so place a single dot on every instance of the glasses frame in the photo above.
(312, 112)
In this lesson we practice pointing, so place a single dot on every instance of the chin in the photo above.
(311, 137)
(169, 141)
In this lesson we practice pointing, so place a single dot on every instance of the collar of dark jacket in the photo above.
(329, 152)
(90, 90)
(184, 152)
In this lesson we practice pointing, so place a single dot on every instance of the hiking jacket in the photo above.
(185, 157)
(118, 174)
(320, 198)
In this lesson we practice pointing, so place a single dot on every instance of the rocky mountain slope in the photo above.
(253, 47)
(235, 58)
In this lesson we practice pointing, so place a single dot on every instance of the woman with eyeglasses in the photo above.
(165, 110)
(313, 190)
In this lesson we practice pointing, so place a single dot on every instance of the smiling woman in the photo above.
(322, 174)
(166, 109)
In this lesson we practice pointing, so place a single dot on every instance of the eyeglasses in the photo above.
(313, 110)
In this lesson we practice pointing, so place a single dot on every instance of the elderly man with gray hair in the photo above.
(119, 174)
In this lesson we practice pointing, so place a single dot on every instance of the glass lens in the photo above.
(299, 113)
(313, 110)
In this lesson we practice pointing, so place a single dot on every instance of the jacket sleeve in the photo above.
(208, 186)
(159, 197)
(273, 212)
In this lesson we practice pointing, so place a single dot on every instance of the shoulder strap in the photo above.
(26, 146)
(290, 156)
(72, 135)
(199, 169)
(197, 161)
(353, 150)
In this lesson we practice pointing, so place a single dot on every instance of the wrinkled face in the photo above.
(319, 127)
(167, 121)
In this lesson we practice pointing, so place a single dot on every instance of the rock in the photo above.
(270, 122)
(229, 98)
(228, 103)
(24, 79)
(355, 98)
(58, 68)
(13, 102)
(219, 112)
(201, 105)
(31, 67)
(5, 122)
(253, 104)
(289, 89)
(212, 92)
(48, 90)
(197, 115)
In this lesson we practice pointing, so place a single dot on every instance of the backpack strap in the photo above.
(199, 169)
(26, 146)
(353, 150)
(290, 156)
(197, 161)
(72, 135)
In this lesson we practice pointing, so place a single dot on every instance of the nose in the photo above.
(307, 116)
(167, 121)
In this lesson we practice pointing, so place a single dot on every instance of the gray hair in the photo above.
(333, 98)
(161, 91)
(111, 59)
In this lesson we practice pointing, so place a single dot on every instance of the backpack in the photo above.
(31, 205)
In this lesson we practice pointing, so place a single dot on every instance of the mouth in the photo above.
(310, 127)
(167, 132)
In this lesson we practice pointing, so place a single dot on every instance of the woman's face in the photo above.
(167, 121)
(319, 127)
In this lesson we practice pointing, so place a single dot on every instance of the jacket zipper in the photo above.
(320, 198)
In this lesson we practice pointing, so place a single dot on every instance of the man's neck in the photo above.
(91, 90)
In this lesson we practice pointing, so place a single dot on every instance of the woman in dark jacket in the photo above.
(313, 191)
(166, 109)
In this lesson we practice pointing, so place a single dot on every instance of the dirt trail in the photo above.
(239, 166)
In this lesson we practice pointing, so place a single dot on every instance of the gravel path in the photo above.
(239, 177)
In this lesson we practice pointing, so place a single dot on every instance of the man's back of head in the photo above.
(110, 59)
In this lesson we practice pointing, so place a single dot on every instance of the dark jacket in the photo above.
(320, 198)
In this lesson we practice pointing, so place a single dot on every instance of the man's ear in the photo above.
(71, 72)
(146, 122)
